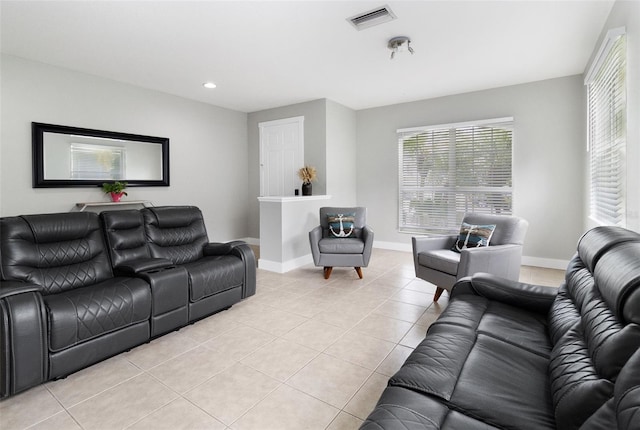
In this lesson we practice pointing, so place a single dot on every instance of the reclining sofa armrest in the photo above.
(11, 288)
(217, 248)
(23, 339)
(535, 298)
(242, 250)
(135, 267)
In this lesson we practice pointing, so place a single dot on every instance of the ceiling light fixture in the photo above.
(209, 85)
(399, 44)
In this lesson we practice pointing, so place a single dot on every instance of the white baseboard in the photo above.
(547, 263)
(393, 246)
(286, 266)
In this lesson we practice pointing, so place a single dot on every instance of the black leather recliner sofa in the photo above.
(508, 355)
(77, 288)
(179, 235)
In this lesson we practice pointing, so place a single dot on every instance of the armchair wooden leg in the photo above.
(327, 272)
(359, 270)
(438, 293)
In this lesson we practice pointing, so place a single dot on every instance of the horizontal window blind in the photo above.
(607, 135)
(449, 170)
(97, 162)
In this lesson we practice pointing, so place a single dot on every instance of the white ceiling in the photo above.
(264, 54)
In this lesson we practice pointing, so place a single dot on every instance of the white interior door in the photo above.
(281, 155)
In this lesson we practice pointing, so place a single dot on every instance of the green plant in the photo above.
(114, 187)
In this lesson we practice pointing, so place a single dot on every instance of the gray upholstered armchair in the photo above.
(435, 262)
(351, 251)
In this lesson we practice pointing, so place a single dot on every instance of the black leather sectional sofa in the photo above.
(79, 287)
(508, 355)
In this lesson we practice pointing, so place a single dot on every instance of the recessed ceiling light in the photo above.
(209, 85)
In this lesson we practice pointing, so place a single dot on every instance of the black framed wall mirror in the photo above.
(79, 157)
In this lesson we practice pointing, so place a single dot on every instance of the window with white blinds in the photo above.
(607, 123)
(449, 170)
(97, 162)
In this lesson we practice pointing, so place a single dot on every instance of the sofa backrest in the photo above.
(176, 233)
(594, 324)
(594, 243)
(125, 236)
(56, 251)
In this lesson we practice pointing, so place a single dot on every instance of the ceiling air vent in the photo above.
(372, 17)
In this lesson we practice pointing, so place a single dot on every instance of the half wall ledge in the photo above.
(285, 222)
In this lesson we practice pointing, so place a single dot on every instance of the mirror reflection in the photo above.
(83, 157)
(68, 156)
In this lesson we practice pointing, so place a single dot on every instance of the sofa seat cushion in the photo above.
(518, 327)
(402, 409)
(451, 366)
(81, 314)
(341, 246)
(521, 328)
(214, 274)
(514, 391)
(443, 260)
(434, 366)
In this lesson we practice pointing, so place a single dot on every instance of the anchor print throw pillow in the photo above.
(341, 225)
(473, 236)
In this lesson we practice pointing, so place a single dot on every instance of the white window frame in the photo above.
(454, 211)
(606, 130)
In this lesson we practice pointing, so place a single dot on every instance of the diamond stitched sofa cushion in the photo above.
(125, 236)
(56, 251)
(82, 314)
(563, 315)
(175, 233)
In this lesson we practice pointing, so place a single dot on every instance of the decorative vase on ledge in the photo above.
(306, 188)
(115, 197)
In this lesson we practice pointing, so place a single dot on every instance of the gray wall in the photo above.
(627, 14)
(548, 171)
(329, 146)
(207, 143)
(315, 132)
(342, 157)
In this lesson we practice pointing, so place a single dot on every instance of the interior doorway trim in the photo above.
(281, 155)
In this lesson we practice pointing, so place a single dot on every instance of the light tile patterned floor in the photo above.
(303, 352)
